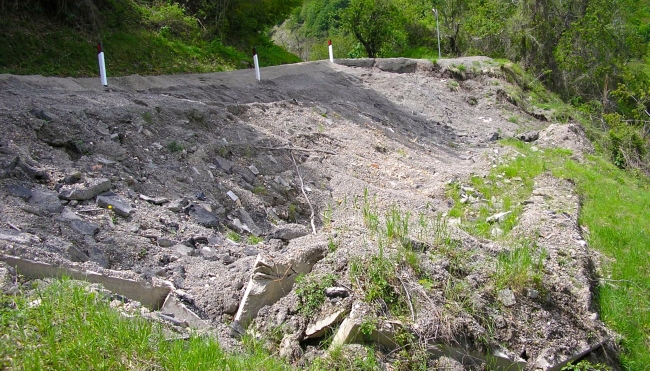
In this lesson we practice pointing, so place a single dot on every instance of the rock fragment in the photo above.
(86, 191)
(117, 204)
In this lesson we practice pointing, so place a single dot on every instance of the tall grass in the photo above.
(67, 327)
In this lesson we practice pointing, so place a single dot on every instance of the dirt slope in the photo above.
(186, 158)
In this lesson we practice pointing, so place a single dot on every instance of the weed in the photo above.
(585, 366)
(377, 278)
(370, 215)
(521, 267)
(233, 236)
(453, 85)
(397, 226)
(311, 292)
(340, 358)
(147, 117)
(514, 119)
(332, 244)
(174, 146)
(368, 326)
(461, 67)
(327, 217)
(292, 212)
(260, 190)
(254, 240)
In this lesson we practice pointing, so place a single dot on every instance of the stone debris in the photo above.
(498, 218)
(116, 204)
(529, 136)
(46, 202)
(91, 188)
(223, 164)
(85, 228)
(319, 327)
(154, 200)
(506, 297)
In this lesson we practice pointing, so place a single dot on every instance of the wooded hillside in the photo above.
(593, 53)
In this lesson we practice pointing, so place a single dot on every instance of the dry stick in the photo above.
(14, 227)
(299, 149)
(302, 188)
(408, 296)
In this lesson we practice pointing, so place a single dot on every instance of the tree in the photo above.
(370, 21)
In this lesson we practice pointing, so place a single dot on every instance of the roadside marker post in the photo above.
(102, 64)
(257, 64)
(329, 44)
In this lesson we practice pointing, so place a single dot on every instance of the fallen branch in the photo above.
(14, 227)
(302, 188)
(408, 297)
(298, 149)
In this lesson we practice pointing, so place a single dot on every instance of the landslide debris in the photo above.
(216, 183)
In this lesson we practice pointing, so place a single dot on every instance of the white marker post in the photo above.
(329, 44)
(257, 64)
(102, 64)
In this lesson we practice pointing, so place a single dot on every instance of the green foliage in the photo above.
(341, 358)
(139, 38)
(233, 236)
(521, 267)
(174, 146)
(585, 366)
(68, 326)
(370, 23)
(311, 292)
(377, 277)
(254, 240)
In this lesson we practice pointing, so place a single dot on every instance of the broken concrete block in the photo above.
(151, 296)
(174, 308)
(273, 277)
(319, 327)
(85, 191)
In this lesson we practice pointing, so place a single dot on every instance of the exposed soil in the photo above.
(196, 156)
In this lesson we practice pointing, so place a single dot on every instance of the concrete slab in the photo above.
(150, 296)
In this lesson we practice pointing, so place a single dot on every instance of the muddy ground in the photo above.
(166, 178)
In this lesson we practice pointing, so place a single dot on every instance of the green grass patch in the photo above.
(66, 326)
(521, 267)
(616, 213)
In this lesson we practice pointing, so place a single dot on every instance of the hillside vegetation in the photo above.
(594, 54)
(59, 38)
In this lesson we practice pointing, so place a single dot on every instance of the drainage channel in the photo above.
(152, 297)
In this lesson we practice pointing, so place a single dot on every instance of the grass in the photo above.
(521, 267)
(615, 211)
(66, 326)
